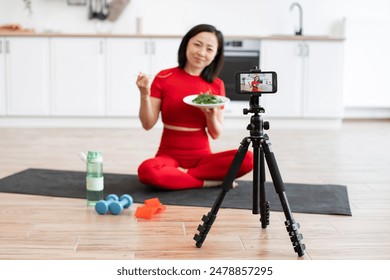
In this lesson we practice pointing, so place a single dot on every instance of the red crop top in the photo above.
(171, 86)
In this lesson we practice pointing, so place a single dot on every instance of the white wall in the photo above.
(244, 17)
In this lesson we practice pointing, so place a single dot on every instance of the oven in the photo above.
(240, 55)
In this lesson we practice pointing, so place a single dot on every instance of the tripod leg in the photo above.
(261, 207)
(264, 204)
(226, 186)
(291, 226)
(257, 172)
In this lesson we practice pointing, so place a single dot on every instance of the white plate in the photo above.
(188, 100)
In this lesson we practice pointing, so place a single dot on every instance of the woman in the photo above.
(255, 84)
(184, 159)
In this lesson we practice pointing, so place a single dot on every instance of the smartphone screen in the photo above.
(250, 82)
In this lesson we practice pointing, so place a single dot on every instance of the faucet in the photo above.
(299, 31)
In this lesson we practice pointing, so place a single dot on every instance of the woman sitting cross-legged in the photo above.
(184, 158)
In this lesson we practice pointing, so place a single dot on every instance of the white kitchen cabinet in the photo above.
(282, 57)
(323, 87)
(367, 60)
(309, 78)
(164, 54)
(2, 77)
(25, 74)
(78, 76)
(126, 57)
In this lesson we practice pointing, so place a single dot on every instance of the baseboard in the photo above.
(366, 113)
(133, 122)
(71, 122)
(286, 123)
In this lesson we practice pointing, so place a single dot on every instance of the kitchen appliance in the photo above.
(240, 55)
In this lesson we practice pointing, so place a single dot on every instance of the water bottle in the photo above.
(94, 178)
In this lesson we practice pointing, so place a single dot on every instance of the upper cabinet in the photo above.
(78, 76)
(25, 76)
(309, 77)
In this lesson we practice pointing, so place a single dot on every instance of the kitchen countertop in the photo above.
(110, 35)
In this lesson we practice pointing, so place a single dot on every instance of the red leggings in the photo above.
(189, 150)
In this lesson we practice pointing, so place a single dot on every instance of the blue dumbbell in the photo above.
(124, 202)
(102, 206)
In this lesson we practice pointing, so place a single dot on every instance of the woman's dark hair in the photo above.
(211, 71)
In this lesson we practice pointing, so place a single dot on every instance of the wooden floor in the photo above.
(37, 227)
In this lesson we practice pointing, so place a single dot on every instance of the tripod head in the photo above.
(257, 125)
(254, 105)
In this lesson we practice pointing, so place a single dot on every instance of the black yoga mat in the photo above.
(304, 198)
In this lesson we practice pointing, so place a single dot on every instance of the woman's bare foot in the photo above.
(182, 169)
(211, 184)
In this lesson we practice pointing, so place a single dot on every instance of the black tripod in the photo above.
(261, 147)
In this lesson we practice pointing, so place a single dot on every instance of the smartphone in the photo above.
(252, 82)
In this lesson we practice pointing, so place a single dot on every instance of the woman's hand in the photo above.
(149, 106)
(214, 119)
(143, 83)
(209, 112)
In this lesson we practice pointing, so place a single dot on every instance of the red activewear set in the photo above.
(255, 86)
(186, 149)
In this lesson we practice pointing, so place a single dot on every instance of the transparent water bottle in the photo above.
(94, 179)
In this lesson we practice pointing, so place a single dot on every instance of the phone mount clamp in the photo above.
(261, 149)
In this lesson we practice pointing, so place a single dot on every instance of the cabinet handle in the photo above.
(149, 48)
(153, 48)
(101, 47)
(300, 49)
(303, 49)
(146, 47)
(7, 48)
(307, 50)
